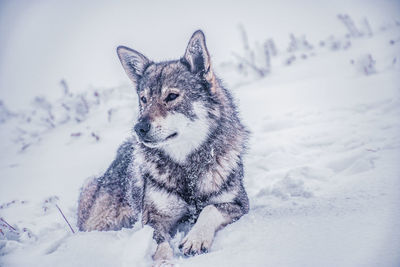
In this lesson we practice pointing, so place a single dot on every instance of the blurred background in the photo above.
(43, 42)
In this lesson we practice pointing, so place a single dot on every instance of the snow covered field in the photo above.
(322, 171)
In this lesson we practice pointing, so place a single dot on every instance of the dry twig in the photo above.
(4, 221)
(65, 219)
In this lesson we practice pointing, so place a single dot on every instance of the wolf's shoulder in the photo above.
(119, 170)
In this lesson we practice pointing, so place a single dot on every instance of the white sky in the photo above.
(42, 42)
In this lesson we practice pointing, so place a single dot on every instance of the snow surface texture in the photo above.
(322, 172)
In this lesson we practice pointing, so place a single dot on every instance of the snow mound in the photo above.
(322, 171)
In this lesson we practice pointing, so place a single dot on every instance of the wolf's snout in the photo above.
(142, 128)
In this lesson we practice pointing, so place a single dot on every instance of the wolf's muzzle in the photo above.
(142, 128)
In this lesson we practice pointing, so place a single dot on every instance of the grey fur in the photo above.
(148, 178)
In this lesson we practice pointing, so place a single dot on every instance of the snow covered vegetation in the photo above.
(322, 171)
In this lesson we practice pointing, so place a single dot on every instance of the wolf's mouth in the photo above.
(152, 143)
(147, 141)
(171, 136)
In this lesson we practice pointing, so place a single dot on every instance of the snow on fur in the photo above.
(322, 172)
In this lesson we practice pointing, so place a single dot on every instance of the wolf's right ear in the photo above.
(197, 55)
(134, 63)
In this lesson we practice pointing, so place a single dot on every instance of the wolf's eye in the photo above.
(171, 97)
(144, 100)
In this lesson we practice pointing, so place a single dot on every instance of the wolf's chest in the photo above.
(203, 175)
(197, 187)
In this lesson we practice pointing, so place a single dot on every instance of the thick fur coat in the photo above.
(184, 162)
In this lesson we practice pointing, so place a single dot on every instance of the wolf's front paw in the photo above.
(163, 255)
(197, 241)
(163, 263)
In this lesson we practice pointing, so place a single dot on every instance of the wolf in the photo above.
(184, 160)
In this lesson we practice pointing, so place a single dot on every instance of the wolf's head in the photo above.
(177, 99)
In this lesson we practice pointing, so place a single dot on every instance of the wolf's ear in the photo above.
(134, 63)
(197, 54)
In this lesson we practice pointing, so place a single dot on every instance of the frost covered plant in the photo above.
(354, 31)
(365, 64)
(28, 126)
(7, 231)
(5, 113)
(255, 60)
(335, 44)
(299, 48)
(43, 112)
(348, 22)
(299, 44)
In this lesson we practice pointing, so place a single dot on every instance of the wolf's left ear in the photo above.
(197, 54)
(134, 63)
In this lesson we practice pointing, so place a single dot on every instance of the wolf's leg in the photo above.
(163, 255)
(200, 237)
(102, 211)
(86, 200)
(108, 213)
(164, 252)
(211, 219)
(162, 225)
(162, 211)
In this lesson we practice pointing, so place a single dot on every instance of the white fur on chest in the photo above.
(191, 134)
(164, 201)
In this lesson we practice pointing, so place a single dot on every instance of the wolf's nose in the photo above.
(142, 128)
